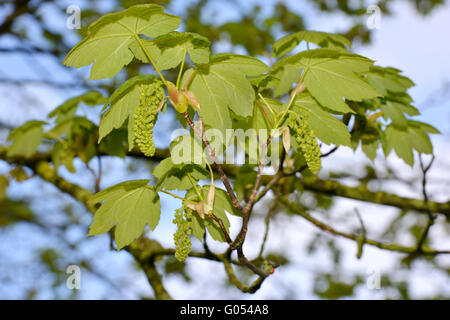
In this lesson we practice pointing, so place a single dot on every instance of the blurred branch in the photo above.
(20, 7)
(431, 216)
(385, 246)
(55, 84)
(269, 214)
(362, 193)
(47, 173)
(324, 186)
(31, 50)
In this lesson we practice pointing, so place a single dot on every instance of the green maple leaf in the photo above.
(288, 43)
(403, 141)
(387, 80)
(425, 127)
(181, 177)
(80, 135)
(26, 139)
(400, 142)
(287, 75)
(129, 206)
(331, 76)
(169, 49)
(222, 85)
(394, 111)
(370, 148)
(108, 39)
(326, 127)
(122, 105)
(68, 109)
(62, 155)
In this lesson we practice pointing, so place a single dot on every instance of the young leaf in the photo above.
(222, 204)
(68, 109)
(80, 134)
(129, 206)
(387, 80)
(331, 76)
(370, 148)
(26, 139)
(222, 84)
(394, 111)
(169, 49)
(181, 177)
(63, 155)
(400, 141)
(288, 75)
(288, 43)
(107, 41)
(424, 126)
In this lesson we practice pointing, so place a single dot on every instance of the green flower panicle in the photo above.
(145, 116)
(306, 140)
(183, 220)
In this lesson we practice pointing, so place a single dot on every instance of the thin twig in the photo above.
(431, 217)
(271, 210)
(385, 246)
(362, 238)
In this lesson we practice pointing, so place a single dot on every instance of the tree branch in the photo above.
(385, 246)
(325, 186)
(222, 174)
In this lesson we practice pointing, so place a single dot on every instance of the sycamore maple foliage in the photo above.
(339, 98)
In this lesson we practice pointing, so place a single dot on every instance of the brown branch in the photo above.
(248, 207)
(222, 227)
(240, 239)
(361, 193)
(330, 187)
(234, 280)
(271, 210)
(431, 216)
(47, 173)
(218, 166)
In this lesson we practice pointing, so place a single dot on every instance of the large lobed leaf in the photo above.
(108, 39)
(26, 138)
(288, 43)
(169, 49)
(68, 109)
(129, 206)
(331, 76)
(222, 86)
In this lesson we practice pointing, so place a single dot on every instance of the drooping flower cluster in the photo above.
(306, 140)
(181, 236)
(146, 114)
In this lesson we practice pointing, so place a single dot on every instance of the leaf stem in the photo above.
(267, 104)
(181, 70)
(299, 88)
(175, 196)
(149, 57)
(195, 186)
